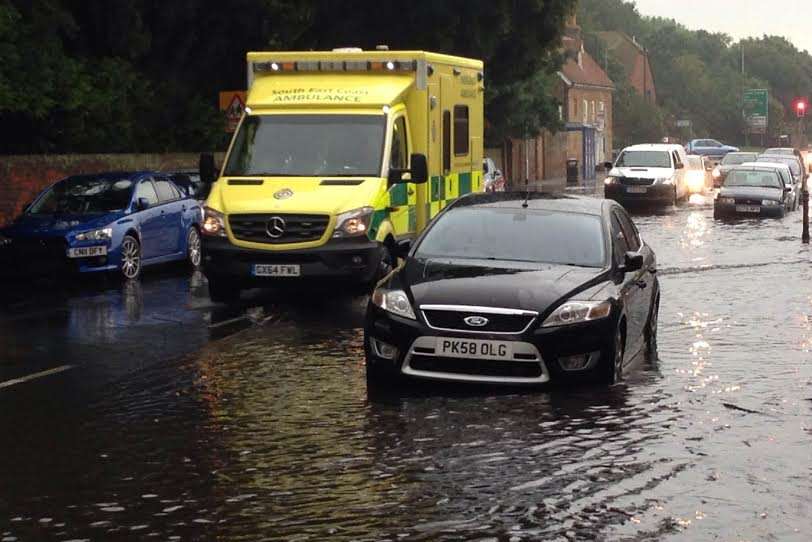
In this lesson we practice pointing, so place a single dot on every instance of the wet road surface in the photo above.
(262, 429)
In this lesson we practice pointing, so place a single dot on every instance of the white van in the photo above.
(653, 173)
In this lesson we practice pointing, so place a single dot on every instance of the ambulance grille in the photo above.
(268, 228)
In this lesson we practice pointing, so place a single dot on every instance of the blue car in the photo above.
(107, 222)
(709, 147)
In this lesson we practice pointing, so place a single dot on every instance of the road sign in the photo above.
(232, 103)
(756, 109)
(683, 124)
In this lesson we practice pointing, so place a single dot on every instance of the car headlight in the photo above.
(610, 180)
(664, 180)
(573, 312)
(716, 173)
(770, 202)
(394, 301)
(353, 223)
(102, 234)
(726, 201)
(4, 241)
(214, 222)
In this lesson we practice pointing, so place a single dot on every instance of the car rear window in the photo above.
(790, 161)
(736, 159)
(519, 235)
(764, 179)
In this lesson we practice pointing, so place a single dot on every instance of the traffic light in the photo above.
(801, 107)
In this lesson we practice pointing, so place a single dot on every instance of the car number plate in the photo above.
(473, 349)
(275, 270)
(636, 189)
(748, 209)
(87, 252)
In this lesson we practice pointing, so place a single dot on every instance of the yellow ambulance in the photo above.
(339, 156)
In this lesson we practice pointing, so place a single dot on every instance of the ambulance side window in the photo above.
(399, 156)
(460, 130)
(446, 141)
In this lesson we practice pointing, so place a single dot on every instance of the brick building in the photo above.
(634, 59)
(587, 95)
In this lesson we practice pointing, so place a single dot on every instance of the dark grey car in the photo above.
(752, 191)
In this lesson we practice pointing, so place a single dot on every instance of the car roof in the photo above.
(654, 147)
(765, 164)
(741, 152)
(539, 201)
(781, 156)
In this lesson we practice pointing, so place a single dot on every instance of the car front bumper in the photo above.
(655, 193)
(23, 258)
(538, 353)
(728, 210)
(348, 260)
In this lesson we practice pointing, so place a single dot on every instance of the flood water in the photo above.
(269, 433)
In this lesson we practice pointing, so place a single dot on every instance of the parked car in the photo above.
(696, 175)
(782, 150)
(653, 173)
(709, 147)
(796, 165)
(752, 191)
(494, 179)
(789, 180)
(516, 289)
(728, 162)
(108, 222)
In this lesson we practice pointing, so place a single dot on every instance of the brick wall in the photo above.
(23, 177)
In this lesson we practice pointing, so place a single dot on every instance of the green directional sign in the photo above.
(756, 108)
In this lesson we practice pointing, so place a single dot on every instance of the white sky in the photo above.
(739, 18)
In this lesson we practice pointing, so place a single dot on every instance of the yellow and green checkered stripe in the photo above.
(445, 189)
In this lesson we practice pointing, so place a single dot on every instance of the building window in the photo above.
(601, 106)
(594, 114)
(586, 111)
(561, 112)
(461, 130)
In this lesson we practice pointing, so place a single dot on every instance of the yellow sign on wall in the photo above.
(232, 103)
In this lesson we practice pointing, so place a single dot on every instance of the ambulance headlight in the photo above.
(353, 223)
(214, 222)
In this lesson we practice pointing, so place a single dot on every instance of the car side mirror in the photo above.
(787, 189)
(207, 169)
(608, 165)
(679, 166)
(418, 173)
(403, 247)
(632, 261)
(142, 204)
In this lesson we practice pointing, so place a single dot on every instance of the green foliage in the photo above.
(143, 75)
(698, 74)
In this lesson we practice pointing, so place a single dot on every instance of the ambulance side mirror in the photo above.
(418, 173)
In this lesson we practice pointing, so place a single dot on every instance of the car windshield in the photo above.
(516, 235)
(308, 146)
(794, 167)
(780, 150)
(755, 178)
(84, 195)
(734, 159)
(644, 159)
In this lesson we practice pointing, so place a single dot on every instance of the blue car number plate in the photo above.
(473, 349)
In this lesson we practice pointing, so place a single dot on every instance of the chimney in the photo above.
(572, 30)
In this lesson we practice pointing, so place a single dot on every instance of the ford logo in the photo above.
(476, 321)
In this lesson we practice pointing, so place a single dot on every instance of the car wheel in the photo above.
(194, 248)
(130, 266)
(223, 292)
(612, 370)
(674, 198)
(651, 329)
(380, 377)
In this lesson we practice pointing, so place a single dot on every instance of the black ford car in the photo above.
(509, 289)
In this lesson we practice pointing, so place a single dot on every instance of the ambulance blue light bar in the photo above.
(336, 66)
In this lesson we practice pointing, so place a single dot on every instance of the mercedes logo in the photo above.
(285, 193)
(476, 321)
(275, 227)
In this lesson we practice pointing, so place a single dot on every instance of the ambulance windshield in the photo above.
(308, 146)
